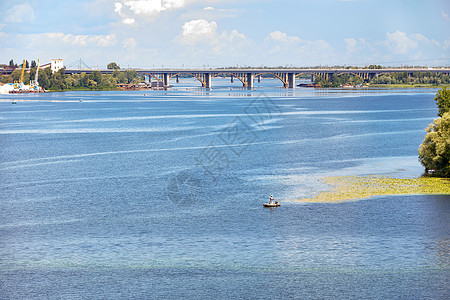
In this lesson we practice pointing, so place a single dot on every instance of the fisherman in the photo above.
(271, 199)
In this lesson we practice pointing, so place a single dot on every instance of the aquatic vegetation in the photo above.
(347, 188)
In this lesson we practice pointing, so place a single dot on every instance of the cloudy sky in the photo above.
(216, 33)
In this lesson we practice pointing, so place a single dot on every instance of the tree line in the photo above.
(393, 78)
(59, 81)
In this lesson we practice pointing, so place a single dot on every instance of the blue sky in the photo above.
(216, 33)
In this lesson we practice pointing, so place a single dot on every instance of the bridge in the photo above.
(247, 76)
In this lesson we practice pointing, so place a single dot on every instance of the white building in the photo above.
(56, 64)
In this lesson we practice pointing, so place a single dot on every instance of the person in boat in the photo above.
(271, 199)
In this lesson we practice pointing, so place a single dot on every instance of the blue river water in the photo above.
(158, 194)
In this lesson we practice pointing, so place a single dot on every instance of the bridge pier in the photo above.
(250, 78)
(291, 80)
(232, 79)
(259, 78)
(166, 79)
(178, 79)
(207, 78)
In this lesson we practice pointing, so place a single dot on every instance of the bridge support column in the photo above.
(291, 80)
(259, 78)
(232, 79)
(166, 79)
(207, 78)
(178, 79)
(250, 78)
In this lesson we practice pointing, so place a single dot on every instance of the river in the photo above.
(158, 194)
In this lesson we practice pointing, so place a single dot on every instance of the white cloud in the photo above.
(436, 43)
(20, 13)
(283, 49)
(149, 7)
(196, 31)
(399, 43)
(128, 21)
(282, 37)
(118, 8)
(129, 43)
(203, 32)
(173, 4)
(445, 15)
(419, 37)
(77, 40)
(206, 43)
(128, 10)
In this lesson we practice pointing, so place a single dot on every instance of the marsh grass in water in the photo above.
(347, 188)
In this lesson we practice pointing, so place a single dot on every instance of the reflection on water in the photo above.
(159, 195)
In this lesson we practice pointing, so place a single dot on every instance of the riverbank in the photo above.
(403, 86)
(348, 188)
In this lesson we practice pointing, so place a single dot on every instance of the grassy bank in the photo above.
(347, 188)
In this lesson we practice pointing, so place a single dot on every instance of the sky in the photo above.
(223, 33)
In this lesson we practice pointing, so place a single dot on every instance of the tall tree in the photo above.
(112, 65)
(434, 152)
(443, 101)
(97, 77)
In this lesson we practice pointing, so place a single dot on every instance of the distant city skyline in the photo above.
(220, 33)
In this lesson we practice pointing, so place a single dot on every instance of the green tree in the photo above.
(43, 76)
(15, 75)
(11, 63)
(97, 77)
(113, 66)
(120, 77)
(57, 80)
(84, 80)
(434, 152)
(443, 101)
(130, 75)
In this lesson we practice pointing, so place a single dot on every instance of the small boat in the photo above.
(276, 204)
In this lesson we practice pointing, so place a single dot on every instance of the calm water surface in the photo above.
(159, 195)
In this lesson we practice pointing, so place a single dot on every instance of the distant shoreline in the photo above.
(364, 87)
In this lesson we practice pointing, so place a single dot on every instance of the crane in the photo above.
(21, 74)
(36, 83)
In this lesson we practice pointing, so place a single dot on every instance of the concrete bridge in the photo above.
(247, 76)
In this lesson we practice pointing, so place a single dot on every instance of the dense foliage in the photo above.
(112, 66)
(394, 78)
(415, 78)
(434, 152)
(443, 101)
(339, 80)
(59, 80)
